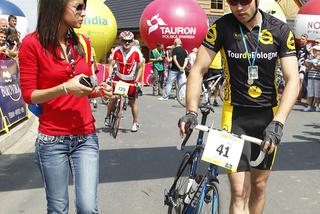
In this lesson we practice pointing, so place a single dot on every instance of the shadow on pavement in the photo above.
(18, 172)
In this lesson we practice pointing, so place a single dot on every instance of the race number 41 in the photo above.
(223, 149)
(121, 88)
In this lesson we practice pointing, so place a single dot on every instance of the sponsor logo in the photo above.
(260, 55)
(238, 37)
(290, 41)
(266, 37)
(97, 20)
(314, 25)
(157, 23)
(254, 91)
(13, 91)
(212, 34)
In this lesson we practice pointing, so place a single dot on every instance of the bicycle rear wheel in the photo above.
(181, 94)
(211, 202)
(118, 113)
(178, 192)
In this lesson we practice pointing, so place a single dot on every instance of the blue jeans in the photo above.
(55, 155)
(179, 76)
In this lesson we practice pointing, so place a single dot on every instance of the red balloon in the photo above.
(311, 7)
(165, 20)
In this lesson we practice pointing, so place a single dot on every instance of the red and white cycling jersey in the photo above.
(127, 63)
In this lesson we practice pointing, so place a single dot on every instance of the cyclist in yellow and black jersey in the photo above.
(250, 42)
(275, 40)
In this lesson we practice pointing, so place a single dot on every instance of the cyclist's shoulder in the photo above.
(226, 19)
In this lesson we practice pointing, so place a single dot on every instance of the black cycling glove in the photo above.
(273, 132)
(190, 120)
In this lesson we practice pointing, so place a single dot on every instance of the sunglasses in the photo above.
(241, 2)
(127, 41)
(80, 7)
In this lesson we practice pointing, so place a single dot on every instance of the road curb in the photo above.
(16, 134)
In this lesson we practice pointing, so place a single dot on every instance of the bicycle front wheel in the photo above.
(211, 202)
(180, 185)
(117, 118)
(181, 94)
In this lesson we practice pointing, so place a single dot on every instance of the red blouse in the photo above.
(63, 115)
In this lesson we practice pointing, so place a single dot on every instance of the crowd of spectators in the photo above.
(309, 69)
(9, 38)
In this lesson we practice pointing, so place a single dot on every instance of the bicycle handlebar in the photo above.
(246, 138)
(185, 140)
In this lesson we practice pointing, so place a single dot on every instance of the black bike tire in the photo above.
(118, 113)
(181, 101)
(185, 167)
(112, 120)
(214, 188)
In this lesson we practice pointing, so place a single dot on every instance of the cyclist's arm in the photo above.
(110, 67)
(290, 72)
(139, 74)
(200, 67)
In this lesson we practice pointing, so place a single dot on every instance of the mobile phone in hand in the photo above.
(86, 81)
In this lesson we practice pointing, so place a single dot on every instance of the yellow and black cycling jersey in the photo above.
(275, 41)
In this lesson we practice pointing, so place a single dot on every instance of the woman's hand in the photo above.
(105, 90)
(74, 87)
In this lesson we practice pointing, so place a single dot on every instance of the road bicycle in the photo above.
(121, 92)
(192, 192)
(208, 88)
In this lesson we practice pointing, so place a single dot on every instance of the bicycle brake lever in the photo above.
(182, 145)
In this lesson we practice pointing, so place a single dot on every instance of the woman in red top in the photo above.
(52, 61)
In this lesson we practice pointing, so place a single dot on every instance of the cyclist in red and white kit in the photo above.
(128, 60)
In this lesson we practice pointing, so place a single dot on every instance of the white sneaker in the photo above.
(135, 127)
(307, 109)
(163, 99)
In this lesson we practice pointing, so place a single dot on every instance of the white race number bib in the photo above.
(121, 88)
(223, 149)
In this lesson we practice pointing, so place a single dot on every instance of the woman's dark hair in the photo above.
(49, 17)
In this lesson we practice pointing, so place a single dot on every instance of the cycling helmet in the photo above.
(126, 35)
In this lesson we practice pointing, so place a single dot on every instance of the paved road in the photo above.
(136, 168)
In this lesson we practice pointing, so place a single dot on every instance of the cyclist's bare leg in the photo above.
(240, 192)
(110, 106)
(134, 109)
(259, 180)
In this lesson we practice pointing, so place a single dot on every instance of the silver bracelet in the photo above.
(64, 88)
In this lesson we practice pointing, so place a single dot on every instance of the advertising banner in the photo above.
(12, 105)
(2, 126)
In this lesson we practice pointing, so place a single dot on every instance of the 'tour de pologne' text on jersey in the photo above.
(275, 41)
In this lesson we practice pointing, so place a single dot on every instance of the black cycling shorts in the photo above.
(249, 121)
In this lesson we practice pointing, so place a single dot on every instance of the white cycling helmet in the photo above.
(126, 35)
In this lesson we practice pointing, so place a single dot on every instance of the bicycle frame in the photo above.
(211, 87)
(212, 172)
